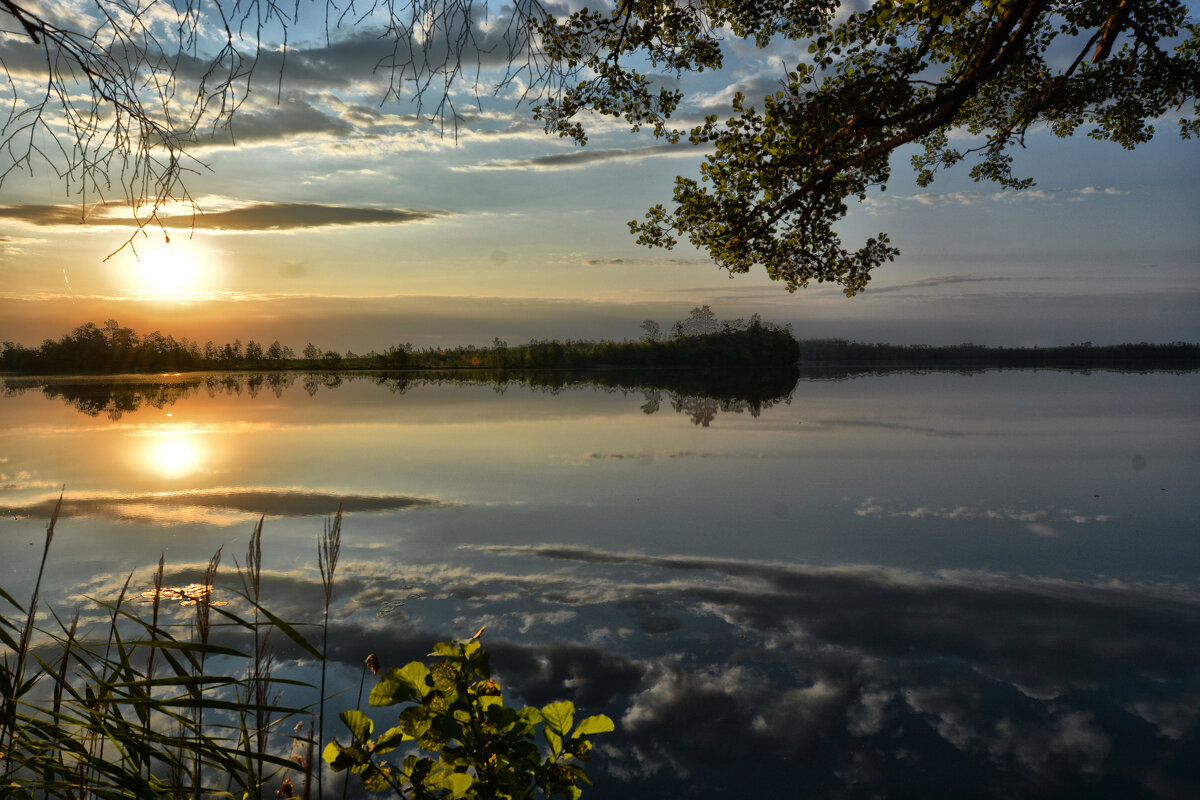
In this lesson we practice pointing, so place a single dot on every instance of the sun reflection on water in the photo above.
(175, 454)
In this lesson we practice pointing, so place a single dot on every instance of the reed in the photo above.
(138, 710)
(258, 674)
(150, 709)
(329, 546)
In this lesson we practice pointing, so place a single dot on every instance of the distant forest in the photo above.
(1131, 357)
(701, 341)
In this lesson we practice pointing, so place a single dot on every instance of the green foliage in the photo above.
(784, 167)
(478, 747)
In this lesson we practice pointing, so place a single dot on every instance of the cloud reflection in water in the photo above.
(215, 507)
(735, 678)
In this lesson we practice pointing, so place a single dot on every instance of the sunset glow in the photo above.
(174, 454)
(169, 272)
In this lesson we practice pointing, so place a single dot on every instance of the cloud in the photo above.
(648, 455)
(247, 218)
(950, 280)
(1045, 636)
(813, 425)
(1037, 518)
(579, 159)
(612, 261)
(228, 507)
(280, 120)
(934, 199)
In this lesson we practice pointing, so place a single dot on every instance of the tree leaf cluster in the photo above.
(468, 743)
(785, 168)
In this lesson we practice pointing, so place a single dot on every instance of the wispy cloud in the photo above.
(947, 280)
(1037, 520)
(221, 506)
(246, 218)
(590, 260)
(647, 455)
(927, 199)
(578, 159)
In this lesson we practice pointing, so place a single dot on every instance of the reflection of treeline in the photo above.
(1133, 357)
(96, 397)
(701, 394)
(92, 349)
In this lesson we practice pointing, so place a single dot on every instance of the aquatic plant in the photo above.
(139, 712)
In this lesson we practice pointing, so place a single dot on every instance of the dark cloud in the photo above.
(1009, 628)
(577, 159)
(648, 455)
(814, 424)
(248, 218)
(290, 117)
(950, 280)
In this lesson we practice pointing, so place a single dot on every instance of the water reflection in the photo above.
(221, 507)
(173, 453)
(915, 585)
(699, 395)
(853, 681)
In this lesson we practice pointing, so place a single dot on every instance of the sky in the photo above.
(334, 214)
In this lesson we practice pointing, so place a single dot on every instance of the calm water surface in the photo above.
(893, 585)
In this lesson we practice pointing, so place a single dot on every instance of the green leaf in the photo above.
(458, 783)
(414, 722)
(597, 724)
(360, 724)
(377, 778)
(342, 758)
(559, 716)
(390, 740)
(401, 684)
(290, 632)
(447, 649)
(555, 742)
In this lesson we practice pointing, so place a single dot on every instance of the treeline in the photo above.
(755, 346)
(1131, 357)
(701, 342)
(113, 349)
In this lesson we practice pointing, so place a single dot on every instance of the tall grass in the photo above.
(147, 709)
(329, 546)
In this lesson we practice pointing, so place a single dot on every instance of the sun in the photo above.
(169, 271)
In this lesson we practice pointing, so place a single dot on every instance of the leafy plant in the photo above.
(478, 747)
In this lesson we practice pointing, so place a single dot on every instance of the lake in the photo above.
(869, 585)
